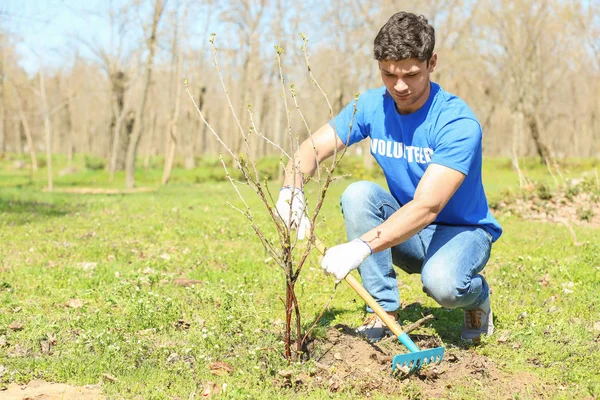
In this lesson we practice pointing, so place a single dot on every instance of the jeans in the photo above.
(449, 258)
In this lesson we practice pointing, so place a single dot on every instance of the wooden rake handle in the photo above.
(388, 320)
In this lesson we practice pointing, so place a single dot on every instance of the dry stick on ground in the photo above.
(281, 252)
(411, 327)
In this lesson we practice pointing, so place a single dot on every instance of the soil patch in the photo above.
(345, 360)
(40, 390)
(582, 209)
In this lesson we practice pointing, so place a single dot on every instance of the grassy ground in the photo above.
(91, 287)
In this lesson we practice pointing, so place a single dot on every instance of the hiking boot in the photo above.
(373, 328)
(478, 322)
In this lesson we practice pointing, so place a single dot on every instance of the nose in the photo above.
(400, 86)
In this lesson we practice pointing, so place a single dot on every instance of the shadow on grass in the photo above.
(20, 212)
(447, 323)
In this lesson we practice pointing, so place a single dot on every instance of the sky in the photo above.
(47, 32)
(43, 29)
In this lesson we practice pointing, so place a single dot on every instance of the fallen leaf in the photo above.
(333, 385)
(15, 326)
(545, 280)
(173, 357)
(110, 378)
(74, 303)
(47, 344)
(181, 324)
(148, 271)
(517, 345)
(165, 256)
(210, 389)
(337, 356)
(220, 368)
(285, 373)
(187, 282)
(504, 337)
(302, 378)
(17, 309)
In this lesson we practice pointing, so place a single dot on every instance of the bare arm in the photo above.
(325, 142)
(435, 189)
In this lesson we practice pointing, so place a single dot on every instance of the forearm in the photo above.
(304, 164)
(320, 146)
(402, 225)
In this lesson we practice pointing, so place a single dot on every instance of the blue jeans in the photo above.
(449, 258)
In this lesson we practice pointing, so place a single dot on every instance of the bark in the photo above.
(26, 130)
(119, 142)
(534, 128)
(150, 147)
(47, 130)
(138, 123)
(69, 128)
(172, 127)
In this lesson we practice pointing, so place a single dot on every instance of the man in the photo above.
(435, 218)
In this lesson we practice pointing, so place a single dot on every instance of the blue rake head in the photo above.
(416, 358)
(414, 361)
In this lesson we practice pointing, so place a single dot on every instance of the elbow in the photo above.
(429, 210)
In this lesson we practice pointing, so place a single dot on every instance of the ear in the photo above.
(432, 62)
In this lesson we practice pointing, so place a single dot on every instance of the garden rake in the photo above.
(410, 362)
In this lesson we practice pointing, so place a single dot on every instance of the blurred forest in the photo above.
(530, 69)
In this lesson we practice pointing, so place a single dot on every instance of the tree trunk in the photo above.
(120, 109)
(47, 129)
(177, 56)
(150, 147)
(26, 130)
(542, 150)
(139, 115)
(70, 134)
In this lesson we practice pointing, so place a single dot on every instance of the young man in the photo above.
(434, 220)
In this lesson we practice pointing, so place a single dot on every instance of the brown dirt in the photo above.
(346, 361)
(582, 209)
(40, 390)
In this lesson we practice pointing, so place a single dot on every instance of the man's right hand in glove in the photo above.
(343, 258)
(291, 207)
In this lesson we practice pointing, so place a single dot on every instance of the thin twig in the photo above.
(320, 314)
(237, 120)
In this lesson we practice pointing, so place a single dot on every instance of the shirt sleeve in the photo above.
(350, 124)
(457, 145)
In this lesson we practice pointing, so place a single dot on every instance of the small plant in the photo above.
(94, 163)
(585, 213)
(544, 192)
(284, 248)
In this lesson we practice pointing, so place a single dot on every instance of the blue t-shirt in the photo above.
(444, 131)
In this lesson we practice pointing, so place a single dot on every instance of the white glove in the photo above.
(341, 259)
(295, 218)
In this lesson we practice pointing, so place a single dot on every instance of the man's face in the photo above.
(407, 81)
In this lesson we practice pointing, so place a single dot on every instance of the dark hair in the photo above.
(405, 35)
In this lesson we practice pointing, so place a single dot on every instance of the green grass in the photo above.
(120, 255)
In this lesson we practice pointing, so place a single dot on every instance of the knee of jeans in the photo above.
(442, 288)
(357, 195)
